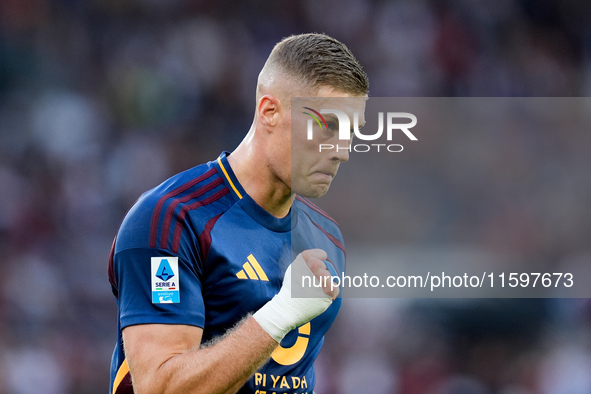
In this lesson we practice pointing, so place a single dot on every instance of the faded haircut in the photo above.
(317, 60)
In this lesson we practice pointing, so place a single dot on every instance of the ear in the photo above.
(268, 110)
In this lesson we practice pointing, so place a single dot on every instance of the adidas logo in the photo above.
(252, 270)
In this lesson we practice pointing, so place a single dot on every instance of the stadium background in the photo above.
(100, 100)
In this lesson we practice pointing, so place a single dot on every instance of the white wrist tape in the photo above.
(283, 313)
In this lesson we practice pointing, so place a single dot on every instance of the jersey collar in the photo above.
(249, 206)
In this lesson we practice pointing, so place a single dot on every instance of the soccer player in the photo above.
(202, 265)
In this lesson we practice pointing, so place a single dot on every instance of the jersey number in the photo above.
(291, 355)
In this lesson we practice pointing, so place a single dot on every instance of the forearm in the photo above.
(222, 367)
(167, 358)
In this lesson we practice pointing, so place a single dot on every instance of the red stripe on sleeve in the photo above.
(175, 192)
(176, 240)
(172, 206)
(314, 207)
(205, 237)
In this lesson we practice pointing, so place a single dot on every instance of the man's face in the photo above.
(315, 161)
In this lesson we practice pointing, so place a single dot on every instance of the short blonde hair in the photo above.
(320, 60)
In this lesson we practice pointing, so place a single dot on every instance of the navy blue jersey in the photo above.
(197, 250)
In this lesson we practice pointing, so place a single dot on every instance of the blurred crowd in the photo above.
(103, 99)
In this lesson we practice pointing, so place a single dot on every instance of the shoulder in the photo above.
(152, 220)
(316, 229)
(318, 217)
(314, 211)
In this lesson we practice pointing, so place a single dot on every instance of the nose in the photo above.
(341, 151)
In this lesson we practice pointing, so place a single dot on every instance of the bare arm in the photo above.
(167, 358)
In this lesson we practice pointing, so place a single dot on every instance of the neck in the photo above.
(256, 176)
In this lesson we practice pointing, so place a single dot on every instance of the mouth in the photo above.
(327, 175)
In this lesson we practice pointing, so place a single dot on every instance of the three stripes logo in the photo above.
(252, 270)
